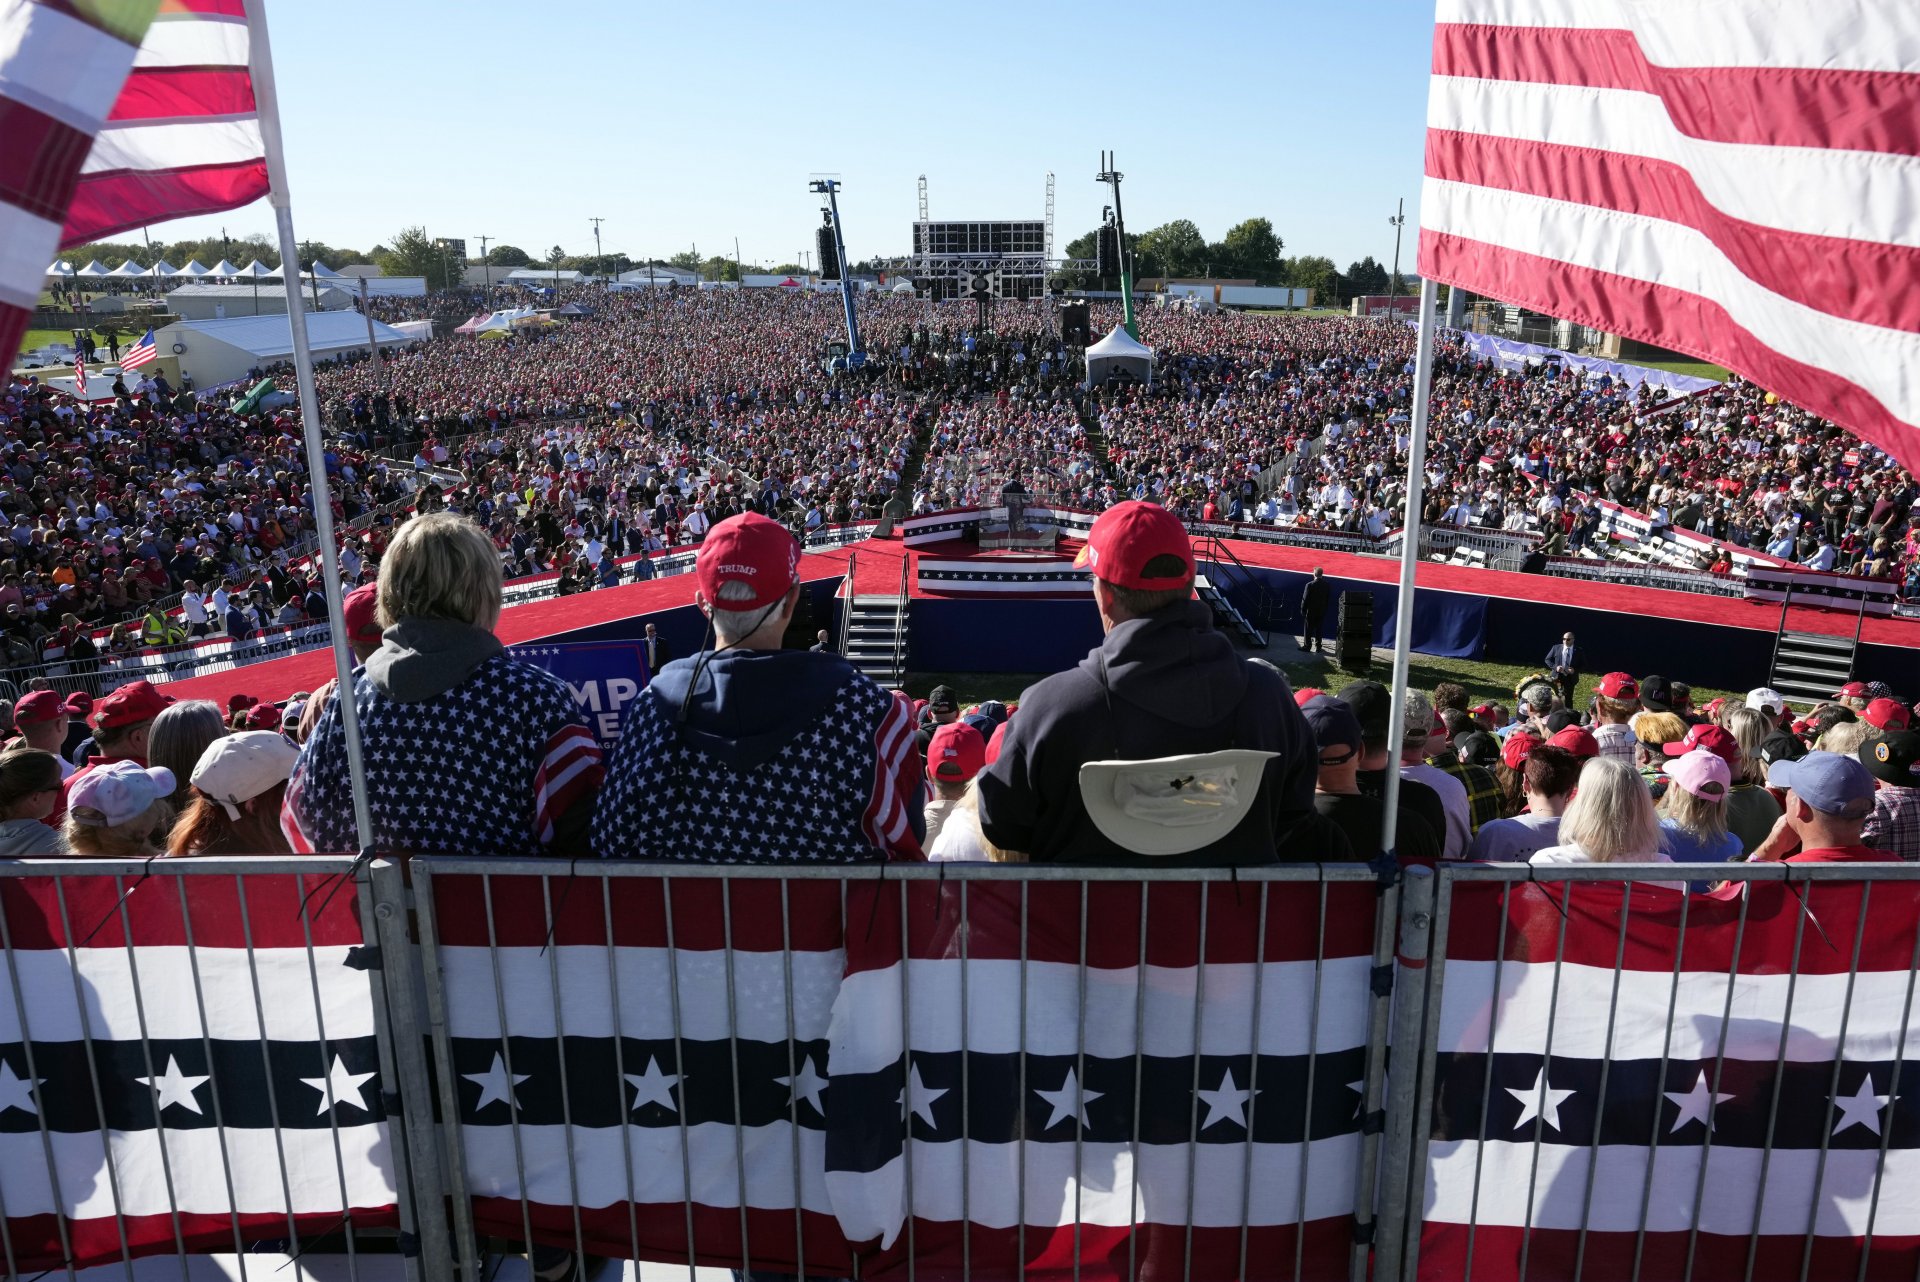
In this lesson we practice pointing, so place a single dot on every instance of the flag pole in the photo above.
(1409, 558)
(260, 56)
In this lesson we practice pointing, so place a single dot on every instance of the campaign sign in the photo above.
(605, 677)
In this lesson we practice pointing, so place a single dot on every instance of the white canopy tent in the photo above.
(196, 269)
(60, 268)
(1119, 353)
(504, 319)
(255, 269)
(223, 268)
(128, 269)
(94, 270)
(162, 269)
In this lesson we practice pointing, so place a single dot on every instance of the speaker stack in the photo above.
(1354, 648)
(829, 255)
(1076, 326)
(1106, 251)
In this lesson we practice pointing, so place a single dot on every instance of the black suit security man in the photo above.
(1563, 666)
(1313, 610)
(658, 655)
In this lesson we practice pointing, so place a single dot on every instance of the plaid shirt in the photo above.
(1894, 825)
(1483, 790)
(1615, 741)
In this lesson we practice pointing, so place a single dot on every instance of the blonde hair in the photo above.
(1704, 817)
(1611, 818)
(440, 566)
(138, 837)
(1750, 728)
(1847, 737)
(1658, 727)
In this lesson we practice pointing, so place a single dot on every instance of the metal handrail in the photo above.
(900, 620)
(846, 610)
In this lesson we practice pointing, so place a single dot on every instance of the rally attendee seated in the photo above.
(1610, 820)
(1548, 777)
(504, 762)
(1894, 826)
(29, 789)
(119, 810)
(238, 786)
(1161, 684)
(954, 756)
(751, 753)
(1829, 800)
(1360, 817)
(1693, 811)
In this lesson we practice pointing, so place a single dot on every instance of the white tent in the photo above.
(254, 269)
(60, 268)
(903, 287)
(324, 272)
(163, 268)
(504, 319)
(94, 269)
(129, 269)
(223, 268)
(213, 352)
(1119, 353)
(196, 269)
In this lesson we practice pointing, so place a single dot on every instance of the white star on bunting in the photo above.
(175, 1087)
(1228, 1103)
(1539, 1100)
(1862, 1107)
(494, 1085)
(806, 1086)
(1069, 1101)
(17, 1092)
(1695, 1104)
(654, 1087)
(339, 1086)
(923, 1097)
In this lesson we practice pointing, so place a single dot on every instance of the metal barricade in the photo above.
(1609, 1080)
(198, 1055)
(967, 1070)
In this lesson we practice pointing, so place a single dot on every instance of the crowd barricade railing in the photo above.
(1613, 1078)
(197, 1056)
(969, 1069)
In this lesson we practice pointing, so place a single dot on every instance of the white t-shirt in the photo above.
(194, 606)
(1453, 798)
(1511, 840)
(1572, 854)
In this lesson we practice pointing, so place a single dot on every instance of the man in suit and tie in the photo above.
(1563, 666)
(822, 644)
(658, 655)
(1313, 612)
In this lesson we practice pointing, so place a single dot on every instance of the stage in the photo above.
(974, 611)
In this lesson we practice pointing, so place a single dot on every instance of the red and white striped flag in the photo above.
(117, 114)
(1733, 181)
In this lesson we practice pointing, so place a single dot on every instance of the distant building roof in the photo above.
(362, 269)
(264, 290)
(271, 336)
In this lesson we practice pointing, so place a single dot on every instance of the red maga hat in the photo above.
(1128, 536)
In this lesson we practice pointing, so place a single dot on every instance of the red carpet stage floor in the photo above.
(1461, 612)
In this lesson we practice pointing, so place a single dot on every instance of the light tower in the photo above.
(1112, 177)
(830, 188)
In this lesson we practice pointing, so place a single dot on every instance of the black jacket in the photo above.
(1160, 686)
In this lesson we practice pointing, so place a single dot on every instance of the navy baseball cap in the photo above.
(1335, 728)
(1830, 783)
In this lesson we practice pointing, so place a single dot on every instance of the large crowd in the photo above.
(637, 428)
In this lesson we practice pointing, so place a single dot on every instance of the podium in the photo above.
(1016, 525)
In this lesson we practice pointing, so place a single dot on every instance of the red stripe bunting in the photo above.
(1767, 106)
(1866, 281)
(40, 160)
(1663, 315)
(261, 910)
(115, 201)
(166, 93)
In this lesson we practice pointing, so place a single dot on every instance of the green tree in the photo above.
(718, 268)
(508, 256)
(1311, 271)
(1172, 249)
(413, 253)
(788, 269)
(1367, 277)
(1252, 249)
(686, 260)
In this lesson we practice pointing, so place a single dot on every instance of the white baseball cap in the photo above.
(1766, 699)
(1172, 805)
(240, 767)
(118, 791)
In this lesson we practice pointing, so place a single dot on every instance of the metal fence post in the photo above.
(409, 1097)
(1373, 1097)
(1403, 1065)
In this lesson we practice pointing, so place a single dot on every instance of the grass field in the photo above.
(1483, 681)
(1683, 365)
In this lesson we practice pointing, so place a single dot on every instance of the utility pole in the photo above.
(739, 273)
(373, 348)
(1399, 220)
(1112, 177)
(486, 271)
(598, 265)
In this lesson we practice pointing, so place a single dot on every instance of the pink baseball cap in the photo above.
(1702, 772)
(118, 790)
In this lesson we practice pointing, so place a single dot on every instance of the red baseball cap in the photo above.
(1887, 714)
(1305, 693)
(998, 737)
(358, 609)
(1129, 535)
(263, 716)
(1852, 690)
(1618, 685)
(37, 706)
(957, 753)
(239, 702)
(750, 549)
(1715, 739)
(129, 706)
(1578, 740)
(80, 703)
(1514, 751)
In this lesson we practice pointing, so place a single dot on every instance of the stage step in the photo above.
(876, 638)
(1810, 666)
(1227, 616)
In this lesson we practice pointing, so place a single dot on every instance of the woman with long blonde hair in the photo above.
(1610, 820)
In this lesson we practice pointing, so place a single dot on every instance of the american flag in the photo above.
(1733, 181)
(1735, 1074)
(117, 116)
(192, 1099)
(80, 376)
(140, 353)
(673, 1023)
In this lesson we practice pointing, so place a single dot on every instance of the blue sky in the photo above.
(694, 123)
